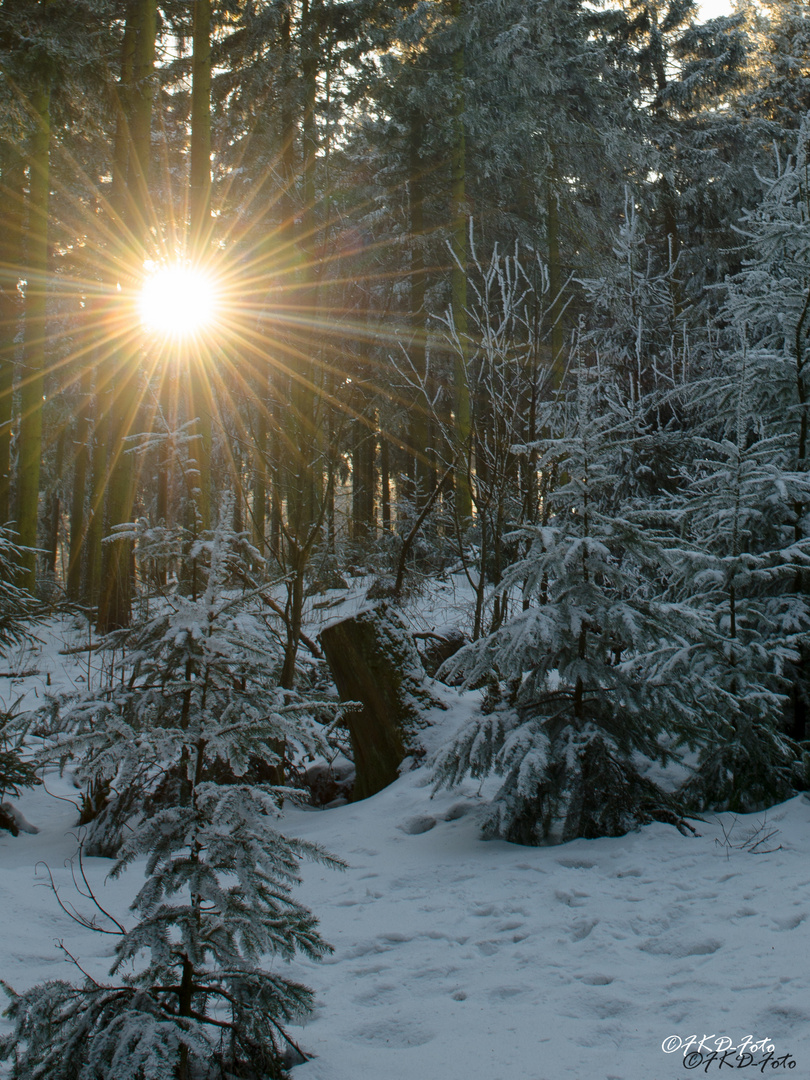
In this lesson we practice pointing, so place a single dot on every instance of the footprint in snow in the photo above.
(397, 1034)
(513, 924)
(416, 825)
(483, 911)
(572, 898)
(678, 948)
(791, 922)
(610, 1007)
(487, 948)
(379, 993)
(372, 969)
(784, 1020)
(503, 993)
(583, 928)
(366, 948)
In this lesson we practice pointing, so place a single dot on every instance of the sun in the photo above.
(178, 301)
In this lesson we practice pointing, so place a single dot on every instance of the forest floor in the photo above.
(460, 959)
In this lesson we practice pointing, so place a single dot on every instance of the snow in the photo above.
(456, 958)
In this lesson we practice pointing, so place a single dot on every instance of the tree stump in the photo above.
(374, 661)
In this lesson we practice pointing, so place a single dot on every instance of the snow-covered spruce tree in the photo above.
(18, 608)
(198, 660)
(193, 998)
(780, 90)
(16, 771)
(744, 513)
(592, 658)
(740, 570)
(642, 340)
(768, 308)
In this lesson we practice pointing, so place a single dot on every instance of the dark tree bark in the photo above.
(462, 412)
(81, 467)
(363, 516)
(32, 381)
(12, 193)
(201, 221)
(419, 434)
(115, 597)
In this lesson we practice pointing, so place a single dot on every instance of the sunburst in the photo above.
(178, 300)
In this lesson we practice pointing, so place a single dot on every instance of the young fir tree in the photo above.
(644, 342)
(744, 512)
(592, 657)
(15, 771)
(780, 82)
(768, 307)
(740, 571)
(194, 997)
(18, 609)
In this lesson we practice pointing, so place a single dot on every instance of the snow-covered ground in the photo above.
(460, 959)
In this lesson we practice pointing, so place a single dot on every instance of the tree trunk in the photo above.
(12, 192)
(260, 459)
(54, 519)
(98, 488)
(554, 278)
(200, 207)
(302, 496)
(385, 482)
(363, 517)
(462, 418)
(419, 422)
(81, 464)
(32, 381)
(116, 586)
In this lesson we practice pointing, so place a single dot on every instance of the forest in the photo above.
(314, 313)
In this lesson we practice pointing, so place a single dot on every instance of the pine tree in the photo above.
(175, 741)
(198, 669)
(768, 308)
(685, 76)
(592, 660)
(215, 904)
(645, 344)
(744, 510)
(18, 609)
(17, 770)
(740, 571)
(780, 85)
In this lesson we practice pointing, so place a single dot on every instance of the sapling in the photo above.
(174, 739)
(592, 660)
(18, 609)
